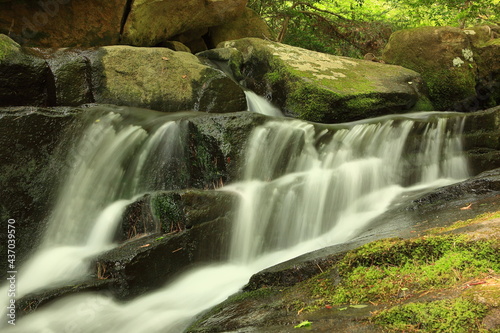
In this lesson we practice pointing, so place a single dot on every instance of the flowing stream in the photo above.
(304, 187)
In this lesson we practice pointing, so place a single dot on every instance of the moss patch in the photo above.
(458, 315)
(391, 270)
(7, 46)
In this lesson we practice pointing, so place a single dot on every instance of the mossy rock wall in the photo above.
(320, 87)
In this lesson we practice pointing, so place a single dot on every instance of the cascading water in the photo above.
(303, 188)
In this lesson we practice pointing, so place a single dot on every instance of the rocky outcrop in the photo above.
(459, 70)
(24, 78)
(154, 78)
(62, 23)
(320, 87)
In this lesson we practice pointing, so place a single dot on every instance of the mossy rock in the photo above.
(164, 80)
(445, 59)
(321, 87)
(24, 79)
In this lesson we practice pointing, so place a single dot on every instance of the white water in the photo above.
(261, 105)
(301, 190)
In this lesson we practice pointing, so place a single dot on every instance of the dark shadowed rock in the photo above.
(24, 78)
(29, 173)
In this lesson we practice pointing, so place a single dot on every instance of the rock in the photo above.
(445, 58)
(247, 25)
(145, 263)
(29, 171)
(24, 78)
(144, 28)
(231, 132)
(63, 23)
(324, 88)
(481, 140)
(488, 90)
(169, 212)
(72, 71)
(164, 80)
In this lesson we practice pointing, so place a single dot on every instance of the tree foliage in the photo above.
(356, 27)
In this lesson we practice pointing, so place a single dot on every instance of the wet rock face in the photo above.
(29, 174)
(482, 140)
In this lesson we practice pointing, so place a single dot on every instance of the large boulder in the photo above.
(250, 24)
(164, 80)
(150, 22)
(458, 65)
(321, 87)
(24, 78)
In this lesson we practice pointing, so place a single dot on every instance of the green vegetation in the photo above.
(392, 270)
(167, 208)
(356, 27)
(459, 315)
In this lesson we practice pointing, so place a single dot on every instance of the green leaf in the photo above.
(305, 323)
(343, 309)
(358, 306)
(404, 289)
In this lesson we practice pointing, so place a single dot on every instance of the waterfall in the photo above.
(113, 163)
(304, 187)
(299, 184)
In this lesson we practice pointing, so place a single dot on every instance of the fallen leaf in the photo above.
(328, 306)
(184, 76)
(164, 58)
(146, 245)
(466, 207)
(343, 309)
(358, 306)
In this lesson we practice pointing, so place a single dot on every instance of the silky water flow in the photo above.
(304, 187)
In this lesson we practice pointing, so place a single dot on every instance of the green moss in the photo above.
(390, 270)
(7, 46)
(167, 208)
(458, 315)
(311, 103)
(363, 103)
(448, 86)
(423, 104)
